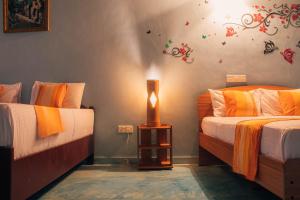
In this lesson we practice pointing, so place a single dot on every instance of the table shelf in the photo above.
(155, 164)
(155, 146)
(161, 149)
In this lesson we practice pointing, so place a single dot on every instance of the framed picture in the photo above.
(25, 15)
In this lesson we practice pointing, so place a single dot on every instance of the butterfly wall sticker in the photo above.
(270, 47)
(298, 45)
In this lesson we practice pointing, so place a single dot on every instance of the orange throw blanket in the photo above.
(247, 145)
(48, 121)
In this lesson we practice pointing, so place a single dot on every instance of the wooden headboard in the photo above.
(204, 101)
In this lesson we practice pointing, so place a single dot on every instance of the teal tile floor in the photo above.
(125, 182)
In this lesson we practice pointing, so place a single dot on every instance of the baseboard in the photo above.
(122, 160)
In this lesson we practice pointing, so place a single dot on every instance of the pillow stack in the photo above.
(62, 95)
(234, 103)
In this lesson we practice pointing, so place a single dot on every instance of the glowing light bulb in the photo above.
(153, 99)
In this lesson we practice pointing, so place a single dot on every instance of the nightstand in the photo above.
(154, 147)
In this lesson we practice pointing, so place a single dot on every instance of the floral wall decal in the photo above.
(288, 55)
(263, 19)
(270, 47)
(269, 20)
(184, 52)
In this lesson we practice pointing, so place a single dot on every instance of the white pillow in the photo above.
(218, 101)
(11, 93)
(270, 104)
(73, 96)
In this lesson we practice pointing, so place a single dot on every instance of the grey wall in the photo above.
(104, 43)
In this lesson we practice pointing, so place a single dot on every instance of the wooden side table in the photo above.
(154, 147)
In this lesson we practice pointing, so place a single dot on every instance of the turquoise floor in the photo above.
(183, 182)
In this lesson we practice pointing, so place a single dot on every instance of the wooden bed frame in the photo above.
(22, 178)
(283, 179)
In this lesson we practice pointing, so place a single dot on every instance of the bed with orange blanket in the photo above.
(39, 144)
(274, 158)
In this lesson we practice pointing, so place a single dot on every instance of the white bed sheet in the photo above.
(280, 140)
(18, 128)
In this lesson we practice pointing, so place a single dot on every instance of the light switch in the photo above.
(236, 78)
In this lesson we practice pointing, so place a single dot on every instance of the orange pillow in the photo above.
(239, 104)
(289, 102)
(51, 95)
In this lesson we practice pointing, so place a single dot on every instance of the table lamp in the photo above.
(153, 117)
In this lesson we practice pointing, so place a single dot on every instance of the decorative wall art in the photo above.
(264, 19)
(269, 20)
(25, 15)
(270, 47)
(184, 51)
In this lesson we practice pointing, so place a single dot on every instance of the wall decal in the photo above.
(270, 47)
(184, 52)
(187, 23)
(298, 45)
(289, 16)
(220, 61)
(204, 36)
(148, 32)
(288, 55)
(223, 43)
(230, 32)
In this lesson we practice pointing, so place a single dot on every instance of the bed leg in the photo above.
(206, 158)
(6, 155)
(90, 160)
(292, 179)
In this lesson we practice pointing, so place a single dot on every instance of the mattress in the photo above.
(280, 140)
(18, 128)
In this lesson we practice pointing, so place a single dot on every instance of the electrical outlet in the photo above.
(125, 129)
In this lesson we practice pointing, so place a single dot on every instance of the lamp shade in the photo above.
(153, 117)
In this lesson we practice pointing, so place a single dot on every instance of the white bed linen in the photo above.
(18, 128)
(280, 140)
